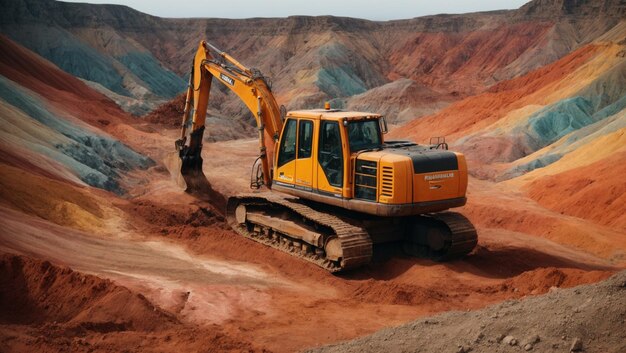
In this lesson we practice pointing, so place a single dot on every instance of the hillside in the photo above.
(56, 119)
(311, 59)
(554, 132)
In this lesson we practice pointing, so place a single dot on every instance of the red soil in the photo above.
(596, 192)
(168, 114)
(160, 216)
(34, 292)
(476, 112)
(442, 298)
(396, 288)
(465, 61)
(68, 310)
(542, 280)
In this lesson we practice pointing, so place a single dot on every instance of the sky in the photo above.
(378, 10)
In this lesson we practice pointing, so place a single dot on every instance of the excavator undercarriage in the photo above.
(337, 240)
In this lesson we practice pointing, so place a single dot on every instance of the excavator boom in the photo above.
(249, 85)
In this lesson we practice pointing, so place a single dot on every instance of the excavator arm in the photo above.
(249, 85)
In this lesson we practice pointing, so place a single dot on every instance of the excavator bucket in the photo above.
(188, 175)
(185, 163)
(185, 167)
(186, 171)
(191, 172)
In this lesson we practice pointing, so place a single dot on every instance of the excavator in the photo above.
(336, 187)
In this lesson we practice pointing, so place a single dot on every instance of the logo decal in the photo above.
(438, 176)
(305, 182)
(227, 79)
(285, 177)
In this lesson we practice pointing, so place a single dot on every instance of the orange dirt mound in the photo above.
(49, 308)
(389, 292)
(596, 192)
(168, 114)
(540, 281)
(35, 292)
(175, 216)
(414, 287)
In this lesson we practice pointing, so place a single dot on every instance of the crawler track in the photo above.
(356, 245)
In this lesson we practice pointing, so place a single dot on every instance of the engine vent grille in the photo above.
(365, 180)
(387, 182)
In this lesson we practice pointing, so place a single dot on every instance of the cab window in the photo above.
(330, 155)
(364, 135)
(287, 151)
(305, 139)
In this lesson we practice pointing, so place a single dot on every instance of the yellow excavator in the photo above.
(337, 186)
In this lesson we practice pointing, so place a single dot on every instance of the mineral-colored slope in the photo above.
(53, 120)
(582, 191)
(555, 131)
(311, 59)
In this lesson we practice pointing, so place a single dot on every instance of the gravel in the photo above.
(587, 318)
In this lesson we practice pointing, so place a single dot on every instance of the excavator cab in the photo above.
(319, 164)
(341, 158)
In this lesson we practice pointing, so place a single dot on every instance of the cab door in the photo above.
(330, 159)
(304, 155)
(286, 162)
